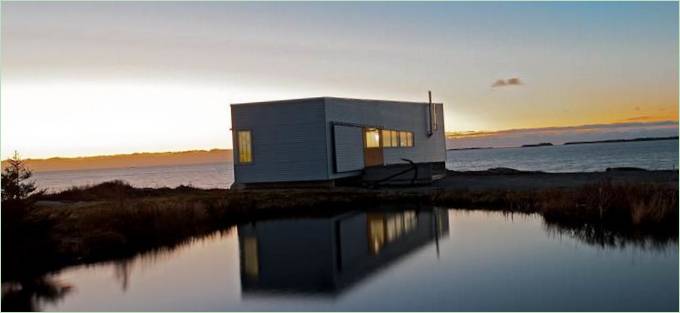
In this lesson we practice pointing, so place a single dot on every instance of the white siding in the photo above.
(288, 141)
(292, 140)
(349, 149)
(395, 115)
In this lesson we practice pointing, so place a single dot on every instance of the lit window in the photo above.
(390, 138)
(395, 138)
(387, 138)
(405, 139)
(245, 152)
(372, 138)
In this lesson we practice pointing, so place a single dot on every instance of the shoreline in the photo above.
(85, 225)
(571, 143)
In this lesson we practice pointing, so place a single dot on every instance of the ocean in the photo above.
(571, 158)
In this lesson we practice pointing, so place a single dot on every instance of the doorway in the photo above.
(373, 151)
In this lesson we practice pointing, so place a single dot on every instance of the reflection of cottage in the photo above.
(320, 140)
(326, 255)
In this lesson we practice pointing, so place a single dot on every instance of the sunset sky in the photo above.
(102, 78)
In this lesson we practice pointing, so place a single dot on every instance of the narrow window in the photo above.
(245, 153)
(372, 138)
(405, 139)
(395, 138)
(387, 138)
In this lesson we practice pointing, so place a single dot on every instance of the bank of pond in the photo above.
(113, 219)
(404, 255)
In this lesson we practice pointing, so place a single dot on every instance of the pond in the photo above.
(407, 260)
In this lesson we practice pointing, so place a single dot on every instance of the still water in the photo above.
(572, 158)
(410, 260)
(651, 155)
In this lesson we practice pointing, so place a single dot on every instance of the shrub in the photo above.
(17, 192)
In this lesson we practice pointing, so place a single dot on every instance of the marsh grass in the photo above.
(648, 207)
(113, 219)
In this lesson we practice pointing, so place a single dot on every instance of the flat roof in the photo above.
(324, 98)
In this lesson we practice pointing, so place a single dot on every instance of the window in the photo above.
(372, 138)
(405, 139)
(387, 139)
(245, 152)
(395, 138)
(390, 138)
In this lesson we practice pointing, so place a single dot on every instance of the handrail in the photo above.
(413, 167)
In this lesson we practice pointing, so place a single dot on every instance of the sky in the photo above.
(560, 135)
(81, 78)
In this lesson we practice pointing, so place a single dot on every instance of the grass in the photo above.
(604, 214)
(113, 219)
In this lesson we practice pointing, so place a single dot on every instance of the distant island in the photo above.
(621, 140)
(542, 144)
(143, 159)
(471, 148)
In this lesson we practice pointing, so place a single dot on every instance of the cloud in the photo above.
(513, 81)
(498, 83)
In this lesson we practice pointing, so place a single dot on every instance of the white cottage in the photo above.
(321, 141)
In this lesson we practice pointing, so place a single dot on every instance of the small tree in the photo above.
(15, 187)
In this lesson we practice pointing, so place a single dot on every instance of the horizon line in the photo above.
(448, 134)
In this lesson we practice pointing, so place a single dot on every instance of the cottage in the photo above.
(321, 141)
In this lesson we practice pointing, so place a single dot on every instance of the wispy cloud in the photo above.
(513, 81)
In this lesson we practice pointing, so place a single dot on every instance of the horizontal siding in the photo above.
(288, 141)
(391, 115)
(291, 140)
(349, 156)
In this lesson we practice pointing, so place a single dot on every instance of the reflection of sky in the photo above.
(121, 77)
(487, 262)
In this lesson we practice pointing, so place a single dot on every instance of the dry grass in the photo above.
(638, 205)
(634, 204)
(115, 220)
(604, 213)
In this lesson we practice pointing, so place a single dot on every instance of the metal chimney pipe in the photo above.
(429, 119)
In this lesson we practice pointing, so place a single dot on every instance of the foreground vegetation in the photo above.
(113, 219)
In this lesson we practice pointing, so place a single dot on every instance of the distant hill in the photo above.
(621, 140)
(144, 159)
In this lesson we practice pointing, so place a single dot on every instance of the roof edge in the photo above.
(326, 98)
